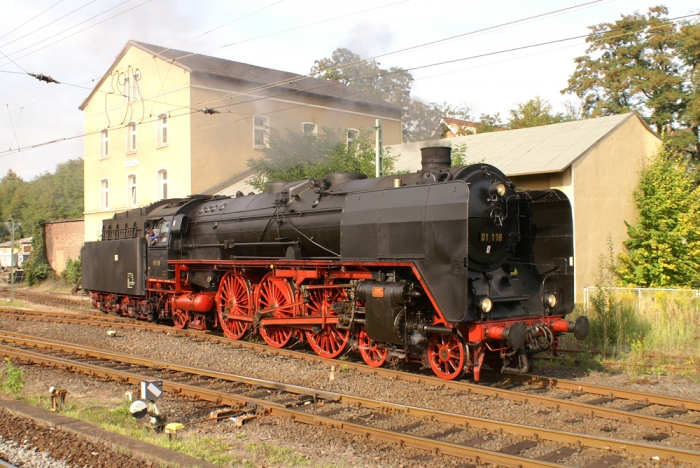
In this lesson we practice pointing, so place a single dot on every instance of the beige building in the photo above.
(595, 162)
(164, 123)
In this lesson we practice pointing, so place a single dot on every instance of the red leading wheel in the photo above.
(446, 356)
(272, 293)
(329, 342)
(233, 300)
(372, 354)
(181, 318)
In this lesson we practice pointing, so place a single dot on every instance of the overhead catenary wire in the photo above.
(426, 66)
(48, 24)
(5, 153)
(79, 85)
(261, 9)
(77, 32)
(432, 43)
(359, 62)
(30, 19)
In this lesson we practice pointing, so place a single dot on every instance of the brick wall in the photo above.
(63, 240)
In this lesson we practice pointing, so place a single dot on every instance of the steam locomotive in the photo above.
(449, 267)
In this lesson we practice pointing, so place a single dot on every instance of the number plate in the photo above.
(490, 237)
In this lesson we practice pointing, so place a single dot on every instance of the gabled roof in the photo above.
(451, 121)
(456, 126)
(18, 242)
(549, 148)
(193, 62)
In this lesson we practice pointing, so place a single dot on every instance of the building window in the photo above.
(104, 143)
(261, 129)
(135, 94)
(309, 128)
(352, 136)
(104, 194)
(162, 138)
(162, 184)
(130, 88)
(132, 200)
(126, 88)
(131, 137)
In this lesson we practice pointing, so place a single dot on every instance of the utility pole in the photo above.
(378, 152)
(12, 261)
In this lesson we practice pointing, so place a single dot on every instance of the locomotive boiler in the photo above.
(449, 267)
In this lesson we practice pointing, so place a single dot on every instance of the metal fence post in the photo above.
(639, 300)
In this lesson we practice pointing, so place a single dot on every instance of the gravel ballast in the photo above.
(221, 357)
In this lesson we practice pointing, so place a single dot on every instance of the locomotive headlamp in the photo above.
(550, 300)
(498, 188)
(486, 305)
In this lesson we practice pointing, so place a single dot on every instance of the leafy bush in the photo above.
(37, 268)
(664, 247)
(73, 271)
(298, 156)
(14, 379)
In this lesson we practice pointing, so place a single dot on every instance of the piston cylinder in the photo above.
(193, 302)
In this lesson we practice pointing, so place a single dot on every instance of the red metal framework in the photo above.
(294, 299)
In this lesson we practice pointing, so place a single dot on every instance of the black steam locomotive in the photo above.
(449, 267)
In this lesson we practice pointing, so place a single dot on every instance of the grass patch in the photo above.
(53, 284)
(279, 454)
(119, 420)
(213, 449)
(15, 303)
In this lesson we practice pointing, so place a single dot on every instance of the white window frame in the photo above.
(160, 182)
(126, 89)
(162, 134)
(131, 138)
(353, 139)
(104, 143)
(265, 128)
(135, 89)
(130, 88)
(314, 131)
(132, 194)
(104, 194)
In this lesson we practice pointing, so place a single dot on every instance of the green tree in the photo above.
(643, 63)
(533, 113)
(664, 247)
(297, 156)
(344, 66)
(489, 123)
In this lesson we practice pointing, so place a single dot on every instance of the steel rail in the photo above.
(536, 433)
(223, 398)
(549, 402)
(47, 299)
(550, 382)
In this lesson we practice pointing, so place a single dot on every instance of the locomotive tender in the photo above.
(449, 267)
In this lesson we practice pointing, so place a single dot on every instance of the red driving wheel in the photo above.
(372, 354)
(272, 293)
(330, 341)
(233, 300)
(446, 356)
(181, 318)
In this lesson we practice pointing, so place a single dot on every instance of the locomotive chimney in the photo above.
(436, 157)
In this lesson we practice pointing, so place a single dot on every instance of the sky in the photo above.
(75, 41)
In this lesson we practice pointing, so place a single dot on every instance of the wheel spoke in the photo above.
(234, 295)
(446, 356)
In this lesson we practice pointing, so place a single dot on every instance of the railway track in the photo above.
(667, 414)
(505, 444)
(52, 300)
